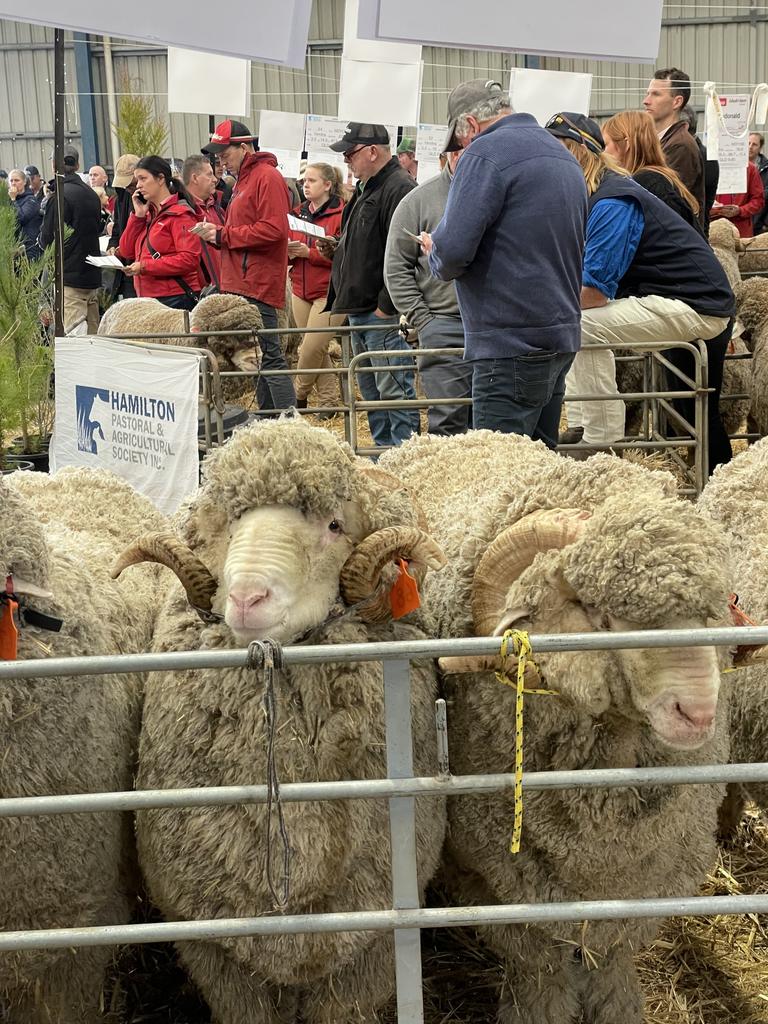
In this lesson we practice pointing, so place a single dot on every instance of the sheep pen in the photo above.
(233, 353)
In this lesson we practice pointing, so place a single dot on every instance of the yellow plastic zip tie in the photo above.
(521, 646)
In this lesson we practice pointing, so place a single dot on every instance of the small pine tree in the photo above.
(138, 129)
(25, 360)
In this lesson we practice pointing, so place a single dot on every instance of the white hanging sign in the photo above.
(377, 93)
(281, 130)
(197, 80)
(555, 27)
(274, 31)
(430, 139)
(322, 132)
(288, 163)
(130, 410)
(733, 144)
(544, 93)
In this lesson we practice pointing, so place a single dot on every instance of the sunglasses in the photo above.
(353, 152)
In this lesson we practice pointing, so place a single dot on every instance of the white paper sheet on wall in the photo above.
(198, 80)
(380, 93)
(322, 132)
(544, 93)
(733, 144)
(556, 27)
(430, 139)
(288, 162)
(281, 130)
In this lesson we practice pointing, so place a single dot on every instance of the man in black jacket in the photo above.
(82, 213)
(357, 278)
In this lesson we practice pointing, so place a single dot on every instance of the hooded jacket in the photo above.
(254, 239)
(166, 231)
(311, 275)
(82, 212)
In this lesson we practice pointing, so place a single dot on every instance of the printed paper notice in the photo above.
(733, 144)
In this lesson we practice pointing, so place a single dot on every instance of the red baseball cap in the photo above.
(228, 133)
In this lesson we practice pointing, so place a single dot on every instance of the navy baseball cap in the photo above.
(578, 127)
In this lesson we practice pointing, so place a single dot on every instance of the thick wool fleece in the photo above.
(752, 309)
(736, 496)
(208, 728)
(576, 844)
(68, 735)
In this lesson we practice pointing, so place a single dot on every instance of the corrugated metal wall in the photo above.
(726, 44)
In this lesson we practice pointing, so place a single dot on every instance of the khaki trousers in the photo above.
(624, 320)
(313, 351)
(81, 304)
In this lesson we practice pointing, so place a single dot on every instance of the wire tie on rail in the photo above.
(267, 656)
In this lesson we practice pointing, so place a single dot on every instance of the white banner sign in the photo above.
(556, 27)
(197, 80)
(544, 93)
(375, 93)
(129, 410)
(323, 131)
(733, 144)
(274, 31)
(281, 130)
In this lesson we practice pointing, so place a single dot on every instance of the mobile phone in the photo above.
(411, 235)
(140, 197)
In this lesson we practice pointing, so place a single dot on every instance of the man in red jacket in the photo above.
(200, 181)
(254, 246)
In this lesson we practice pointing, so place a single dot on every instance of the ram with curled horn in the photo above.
(289, 538)
(543, 544)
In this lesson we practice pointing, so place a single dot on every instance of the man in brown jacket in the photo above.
(668, 92)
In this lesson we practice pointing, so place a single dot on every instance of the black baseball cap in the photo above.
(358, 134)
(31, 170)
(578, 127)
(462, 99)
(228, 133)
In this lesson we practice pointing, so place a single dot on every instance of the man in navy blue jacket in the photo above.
(512, 238)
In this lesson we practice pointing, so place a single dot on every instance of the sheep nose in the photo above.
(244, 600)
(699, 717)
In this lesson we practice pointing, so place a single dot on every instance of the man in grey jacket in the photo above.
(429, 305)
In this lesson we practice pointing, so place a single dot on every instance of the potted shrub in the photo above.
(26, 359)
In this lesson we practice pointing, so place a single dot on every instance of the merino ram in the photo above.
(286, 528)
(736, 496)
(538, 542)
(72, 734)
(213, 313)
(752, 309)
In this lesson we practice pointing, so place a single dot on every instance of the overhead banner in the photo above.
(273, 31)
(190, 75)
(129, 410)
(544, 93)
(549, 27)
(376, 93)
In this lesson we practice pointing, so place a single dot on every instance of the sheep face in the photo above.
(281, 572)
(285, 524)
(229, 313)
(628, 566)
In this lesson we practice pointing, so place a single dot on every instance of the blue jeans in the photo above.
(521, 394)
(446, 377)
(272, 392)
(388, 426)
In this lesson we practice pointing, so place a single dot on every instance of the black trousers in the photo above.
(719, 445)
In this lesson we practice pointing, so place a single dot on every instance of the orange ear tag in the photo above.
(9, 634)
(404, 595)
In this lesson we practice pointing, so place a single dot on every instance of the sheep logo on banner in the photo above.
(87, 427)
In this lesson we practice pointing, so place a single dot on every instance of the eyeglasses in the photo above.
(352, 152)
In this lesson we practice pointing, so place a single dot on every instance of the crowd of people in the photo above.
(533, 242)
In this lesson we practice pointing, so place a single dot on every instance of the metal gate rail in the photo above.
(400, 788)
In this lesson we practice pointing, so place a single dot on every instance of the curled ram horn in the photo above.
(360, 578)
(513, 551)
(169, 550)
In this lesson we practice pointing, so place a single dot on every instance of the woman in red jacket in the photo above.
(742, 207)
(310, 276)
(164, 257)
